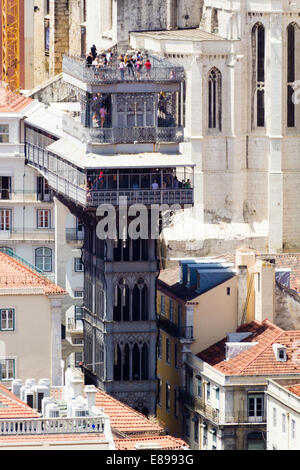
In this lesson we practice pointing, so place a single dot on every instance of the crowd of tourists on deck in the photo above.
(131, 65)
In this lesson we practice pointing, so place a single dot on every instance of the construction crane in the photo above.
(10, 53)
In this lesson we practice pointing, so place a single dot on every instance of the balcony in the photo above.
(146, 197)
(161, 71)
(42, 426)
(124, 135)
(185, 332)
(198, 405)
(74, 326)
(74, 235)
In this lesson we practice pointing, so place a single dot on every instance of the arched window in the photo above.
(258, 48)
(145, 363)
(215, 99)
(140, 301)
(291, 73)
(214, 21)
(43, 259)
(121, 307)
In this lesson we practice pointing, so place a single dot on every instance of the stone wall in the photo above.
(287, 308)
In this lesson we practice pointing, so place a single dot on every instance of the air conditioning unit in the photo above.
(45, 403)
(29, 397)
(52, 411)
(79, 411)
(16, 387)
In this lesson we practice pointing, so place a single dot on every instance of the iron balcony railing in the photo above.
(74, 235)
(160, 72)
(27, 233)
(198, 405)
(124, 135)
(185, 332)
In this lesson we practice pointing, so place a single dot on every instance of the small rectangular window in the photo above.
(283, 421)
(43, 218)
(5, 187)
(4, 133)
(7, 369)
(168, 355)
(7, 318)
(176, 355)
(162, 304)
(5, 219)
(293, 429)
(78, 294)
(168, 397)
(228, 291)
(208, 391)
(78, 265)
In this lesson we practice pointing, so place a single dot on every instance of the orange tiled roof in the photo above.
(295, 389)
(166, 442)
(14, 275)
(260, 358)
(11, 407)
(125, 419)
(11, 102)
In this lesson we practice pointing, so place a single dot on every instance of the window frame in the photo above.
(44, 257)
(7, 310)
(42, 219)
(4, 133)
(7, 361)
(78, 263)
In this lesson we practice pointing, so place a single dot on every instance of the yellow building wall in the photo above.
(30, 343)
(215, 315)
(168, 373)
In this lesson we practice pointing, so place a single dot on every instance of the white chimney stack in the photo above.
(90, 392)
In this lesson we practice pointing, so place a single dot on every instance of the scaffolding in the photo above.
(11, 44)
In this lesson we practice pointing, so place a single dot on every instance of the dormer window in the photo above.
(280, 352)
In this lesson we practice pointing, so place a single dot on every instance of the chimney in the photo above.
(264, 291)
(242, 292)
(74, 383)
(90, 392)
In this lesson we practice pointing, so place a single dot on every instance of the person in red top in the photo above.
(148, 67)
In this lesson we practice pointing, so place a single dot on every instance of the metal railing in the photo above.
(124, 135)
(26, 196)
(206, 410)
(77, 68)
(52, 426)
(175, 330)
(73, 235)
(146, 196)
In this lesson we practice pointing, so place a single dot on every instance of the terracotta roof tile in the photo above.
(14, 275)
(260, 358)
(165, 442)
(125, 419)
(11, 407)
(11, 102)
(294, 389)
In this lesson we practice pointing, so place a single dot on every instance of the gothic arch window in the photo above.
(122, 299)
(258, 51)
(214, 21)
(215, 99)
(291, 72)
(131, 361)
(140, 301)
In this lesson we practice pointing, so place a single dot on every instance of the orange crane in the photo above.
(10, 53)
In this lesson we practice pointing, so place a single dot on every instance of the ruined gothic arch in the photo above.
(215, 99)
(292, 52)
(258, 43)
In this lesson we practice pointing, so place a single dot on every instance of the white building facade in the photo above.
(283, 411)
